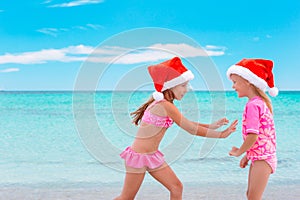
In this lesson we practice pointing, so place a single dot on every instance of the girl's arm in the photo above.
(193, 127)
(216, 124)
(203, 125)
(249, 141)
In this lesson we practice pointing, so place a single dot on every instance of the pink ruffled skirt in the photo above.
(140, 160)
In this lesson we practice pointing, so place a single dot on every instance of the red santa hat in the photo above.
(168, 74)
(256, 71)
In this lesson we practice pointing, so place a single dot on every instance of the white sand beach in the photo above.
(148, 191)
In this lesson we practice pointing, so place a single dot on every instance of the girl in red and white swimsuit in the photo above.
(154, 118)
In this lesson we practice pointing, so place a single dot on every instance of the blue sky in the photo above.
(44, 43)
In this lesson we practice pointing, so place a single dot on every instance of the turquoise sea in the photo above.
(63, 139)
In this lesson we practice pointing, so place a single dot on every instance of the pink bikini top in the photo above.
(160, 121)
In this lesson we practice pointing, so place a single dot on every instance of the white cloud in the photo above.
(51, 31)
(69, 54)
(186, 50)
(215, 47)
(56, 31)
(77, 3)
(268, 36)
(130, 57)
(108, 54)
(95, 26)
(256, 39)
(111, 50)
(8, 70)
(81, 28)
(47, 1)
(79, 49)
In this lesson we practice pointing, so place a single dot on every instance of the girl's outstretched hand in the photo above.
(219, 123)
(230, 129)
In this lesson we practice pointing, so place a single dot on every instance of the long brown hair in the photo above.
(138, 114)
(265, 97)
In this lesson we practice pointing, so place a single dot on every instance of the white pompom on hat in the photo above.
(168, 74)
(256, 71)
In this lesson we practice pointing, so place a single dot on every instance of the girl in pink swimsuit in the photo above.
(154, 118)
(250, 79)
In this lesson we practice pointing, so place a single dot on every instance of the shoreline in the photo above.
(148, 191)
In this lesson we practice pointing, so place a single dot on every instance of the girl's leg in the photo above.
(133, 180)
(248, 180)
(168, 178)
(258, 179)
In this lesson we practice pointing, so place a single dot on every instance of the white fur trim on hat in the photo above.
(248, 75)
(157, 96)
(184, 77)
(273, 91)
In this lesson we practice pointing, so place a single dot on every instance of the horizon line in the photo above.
(124, 91)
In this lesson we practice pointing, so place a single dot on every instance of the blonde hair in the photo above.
(138, 114)
(264, 96)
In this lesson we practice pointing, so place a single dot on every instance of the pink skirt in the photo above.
(140, 160)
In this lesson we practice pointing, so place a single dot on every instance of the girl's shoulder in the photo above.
(161, 107)
(166, 106)
(256, 101)
(256, 104)
(165, 103)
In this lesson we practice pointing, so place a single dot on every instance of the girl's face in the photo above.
(180, 90)
(240, 85)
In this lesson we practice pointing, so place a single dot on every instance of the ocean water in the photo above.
(63, 139)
